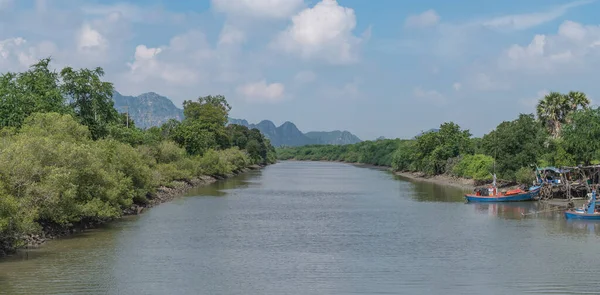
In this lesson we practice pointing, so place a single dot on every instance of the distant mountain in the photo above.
(148, 109)
(285, 135)
(289, 135)
(333, 137)
(151, 109)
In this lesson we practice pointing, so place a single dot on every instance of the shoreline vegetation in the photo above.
(164, 194)
(445, 180)
(69, 161)
(563, 132)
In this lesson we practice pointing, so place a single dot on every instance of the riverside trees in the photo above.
(565, 132)
(67, 157)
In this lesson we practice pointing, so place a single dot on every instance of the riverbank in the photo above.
(163, 194)
(462, 183)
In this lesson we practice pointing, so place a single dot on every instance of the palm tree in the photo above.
(555, 109)
(551, 110)
(576, 99)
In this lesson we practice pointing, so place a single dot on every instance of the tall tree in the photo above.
(433, 149)
(209, 113)
(90, 98)
(581, 135)
(209, 109)
(35, 90)
(515, 144)
(576, 99)
(555, 109)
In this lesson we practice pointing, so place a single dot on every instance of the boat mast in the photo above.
(495, 156)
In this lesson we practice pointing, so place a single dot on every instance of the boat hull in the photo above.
(526, 196)
(570, 214)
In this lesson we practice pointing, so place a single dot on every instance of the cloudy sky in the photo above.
(376, 68)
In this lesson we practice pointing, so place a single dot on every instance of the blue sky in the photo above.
(375, 68)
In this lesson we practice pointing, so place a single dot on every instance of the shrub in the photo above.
(168, 152)
(524, 175)
(211, 163)
(478, 167)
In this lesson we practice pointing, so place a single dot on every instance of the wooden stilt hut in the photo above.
(567, 182)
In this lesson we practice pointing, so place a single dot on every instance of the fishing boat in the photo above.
(494, 195)
(588, 212)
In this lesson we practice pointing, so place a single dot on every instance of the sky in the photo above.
(375, 68)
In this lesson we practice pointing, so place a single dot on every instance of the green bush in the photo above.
(524, 175)
(68, 157)
(404, 158)
(168, 152)
(165, 174)
(478, 167)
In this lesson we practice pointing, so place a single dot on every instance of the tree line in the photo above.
(563, 132)
(67, 157)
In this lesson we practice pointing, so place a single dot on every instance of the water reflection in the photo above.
(424, 191)
(514, 211)
(583, 226)
(78, 262)
(578, 229)
(219, 188)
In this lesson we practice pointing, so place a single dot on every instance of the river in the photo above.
(318, 228)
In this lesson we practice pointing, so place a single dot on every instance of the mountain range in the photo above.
(151, 109)
(287, 134)
(148, 109)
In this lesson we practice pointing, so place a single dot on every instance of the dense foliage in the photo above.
(368, 152)
(67, 157)
(565, 133)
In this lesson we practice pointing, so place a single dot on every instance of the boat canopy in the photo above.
(554, 169)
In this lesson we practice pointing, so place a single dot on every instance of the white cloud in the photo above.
(262, 92)
(305, 77)
(428, 18)
(323, 32)
(90, 39)
(573, 46)
(17, 54)
(231, 35)
(431, 96)
(483, 81)
(457, 86)
(184, 62)
(529, 20)
(274, 9)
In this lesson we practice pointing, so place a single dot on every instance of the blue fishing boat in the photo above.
(588, 212)
(509, 196)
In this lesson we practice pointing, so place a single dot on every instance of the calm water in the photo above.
(319, 228)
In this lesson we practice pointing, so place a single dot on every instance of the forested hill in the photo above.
(289, 135)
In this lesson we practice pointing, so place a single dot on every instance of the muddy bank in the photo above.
(163, 194)
(462, 183)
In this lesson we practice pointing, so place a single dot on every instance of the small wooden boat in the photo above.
(509, 196)
(588, 212)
